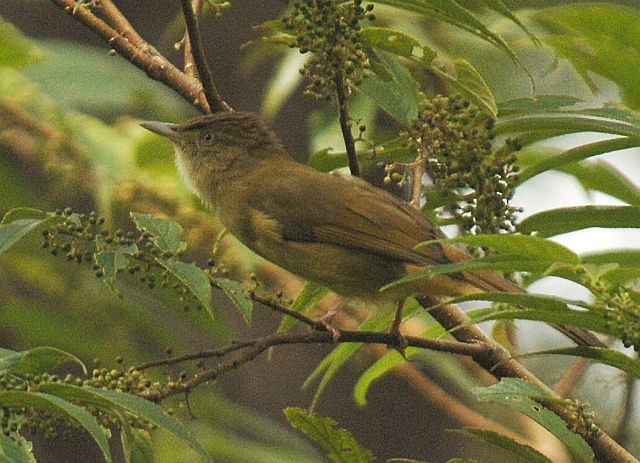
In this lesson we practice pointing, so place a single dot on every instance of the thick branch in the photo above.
(501, 365)
(216, 103)
(142, 55)
(120, 22)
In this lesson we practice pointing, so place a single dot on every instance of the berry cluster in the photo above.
(617, 306)
(582, 421)
(330, 29)
(453, 139)
(81, 238)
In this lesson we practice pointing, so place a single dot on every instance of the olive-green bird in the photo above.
(342, 233)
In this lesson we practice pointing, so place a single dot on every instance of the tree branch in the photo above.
(142, 55)
(215, 101)
(501, 365)
(349, 142)
(252, 348)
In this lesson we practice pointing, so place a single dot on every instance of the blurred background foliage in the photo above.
(69, 136)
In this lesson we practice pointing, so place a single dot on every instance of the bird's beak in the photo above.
(165, 129)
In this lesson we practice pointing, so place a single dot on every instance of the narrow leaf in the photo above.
(627, 257)
(602, 176)
(563, 220)
(391, 40)
(609, 357)
(523, 396)
(471, 84)
(37, 360)
(311, 294)
(58, 406)
(340, 445)
(15, 451)
(505, 263)
(131, 404)
(578, 153)
(565, 122)
(530, 454)
(19, 222)
(579, 318)
(500, 7)
(525, 246)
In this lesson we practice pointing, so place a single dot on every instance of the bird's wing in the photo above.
(310, 206)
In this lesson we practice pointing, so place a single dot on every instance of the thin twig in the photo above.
(297, 315)
(142, 55)
(216, 103)
(349, 142)
(418, 173)
(252, 348)
(325, 337)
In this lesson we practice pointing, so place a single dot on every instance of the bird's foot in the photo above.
(400, 343)
(327, 322)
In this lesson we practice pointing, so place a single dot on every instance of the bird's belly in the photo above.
(348, 272)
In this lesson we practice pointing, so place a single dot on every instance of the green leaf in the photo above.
(130, 404)
(627, 257)
(166, 234)
(577, 33)
(609, 357)
(36, 360)
(112, 257)
(525, 246)
(505, 263)
(563, 220)
(500, 7)
(136, 445)
(524, 396)
(578, 153)
(340, 445)
(58, 406)
(238, 295)
(452, 12)
(601, 176)
(579, 318)
(566, 122)
(389, 362)
(19, 222)
(529, 300)
(311, 294)
(471, 84)
(396, 92)
(15, 451)
(16, 50)
(326, 160)
(391, 40)
(194, 278)
(530, 454)
(330, 365)
(539, 103)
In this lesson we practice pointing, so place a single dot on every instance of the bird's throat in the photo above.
(185, 168)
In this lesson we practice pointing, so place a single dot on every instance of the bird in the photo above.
(340, 232)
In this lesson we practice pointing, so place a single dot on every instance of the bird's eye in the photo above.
(207, 137)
